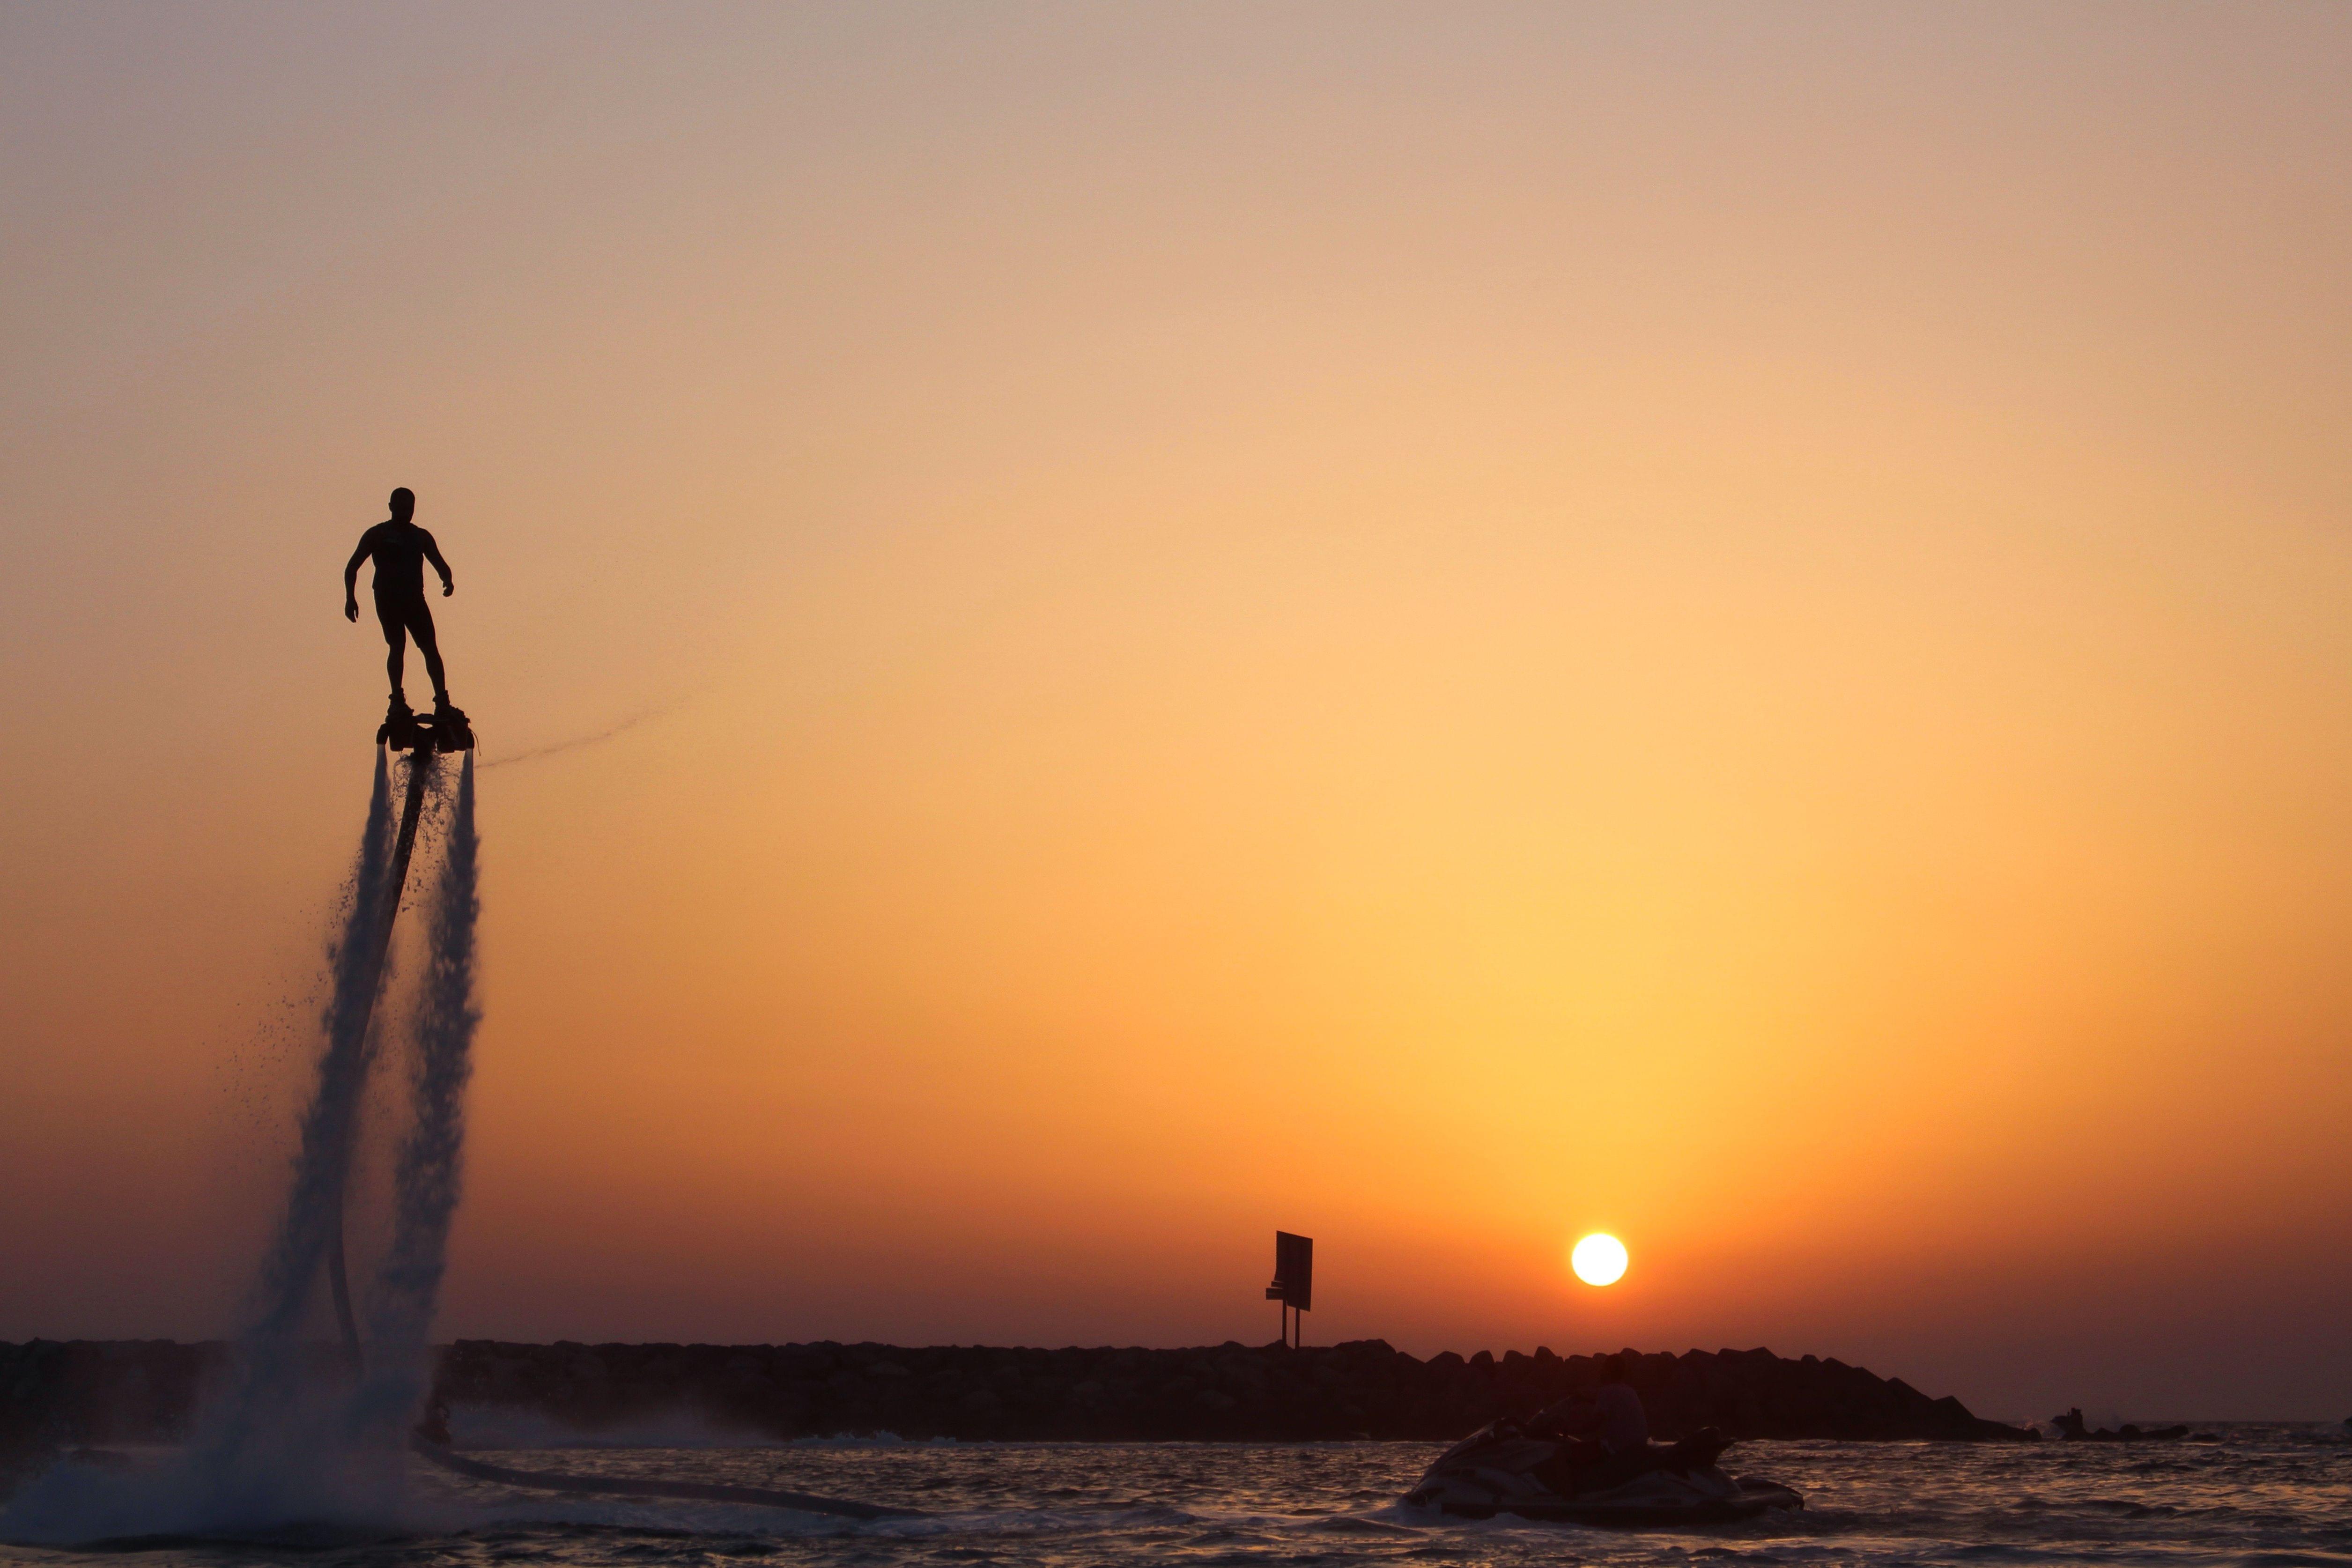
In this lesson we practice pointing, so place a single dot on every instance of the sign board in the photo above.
(1294, 1271)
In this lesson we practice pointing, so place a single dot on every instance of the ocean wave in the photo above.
(2265, 1499)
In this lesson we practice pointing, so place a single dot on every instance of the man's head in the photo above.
(403, 502)
(1612, 1369)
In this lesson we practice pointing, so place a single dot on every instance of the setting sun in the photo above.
(1598, 1259)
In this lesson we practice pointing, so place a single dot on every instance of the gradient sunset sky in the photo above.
(1438, 625)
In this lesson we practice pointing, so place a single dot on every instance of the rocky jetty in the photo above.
(57, 1396)
(88, 1392)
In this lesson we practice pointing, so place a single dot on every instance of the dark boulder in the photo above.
(2072, 1429)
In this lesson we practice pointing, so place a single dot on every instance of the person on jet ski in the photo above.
(1607, 1431)
(400, 550)
(1624, 1424)
(1612, 1416)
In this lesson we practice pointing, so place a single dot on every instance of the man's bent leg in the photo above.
(420, 627)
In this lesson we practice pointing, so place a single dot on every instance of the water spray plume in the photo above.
(282, 1443)
(427, 1179)
(285, 1445)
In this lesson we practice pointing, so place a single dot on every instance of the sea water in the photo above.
(2264, 1496)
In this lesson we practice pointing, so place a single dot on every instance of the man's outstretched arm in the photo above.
(433, 554)
(351, 580)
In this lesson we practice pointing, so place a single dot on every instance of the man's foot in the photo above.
(399, 726)
(450, 726)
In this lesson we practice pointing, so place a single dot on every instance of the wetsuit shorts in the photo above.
(405, 613)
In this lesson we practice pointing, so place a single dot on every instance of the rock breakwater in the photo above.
(84, 1392)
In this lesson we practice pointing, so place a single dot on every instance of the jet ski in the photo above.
(1502, 1467)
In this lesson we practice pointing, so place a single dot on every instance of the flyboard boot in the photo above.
(402, 729)
(452, 730)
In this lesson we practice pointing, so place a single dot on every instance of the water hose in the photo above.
(612, 1485)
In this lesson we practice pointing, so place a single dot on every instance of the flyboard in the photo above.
(448, 730)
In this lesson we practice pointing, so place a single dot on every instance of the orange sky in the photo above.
(1440, 627)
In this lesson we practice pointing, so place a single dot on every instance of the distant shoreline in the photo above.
(54, 1393)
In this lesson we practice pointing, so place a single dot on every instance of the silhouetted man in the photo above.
(400, 550)
(1604, 1433)
(1624, 1424)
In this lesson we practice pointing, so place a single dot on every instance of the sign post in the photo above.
(1294, 1282)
